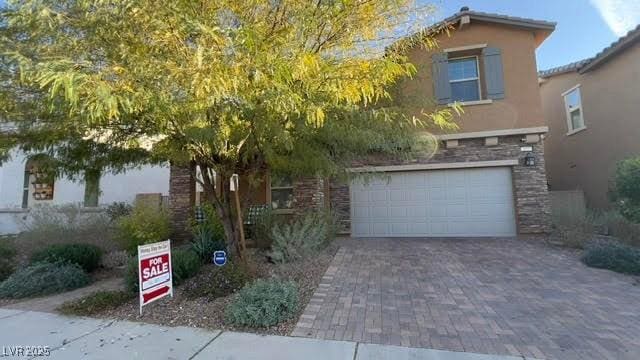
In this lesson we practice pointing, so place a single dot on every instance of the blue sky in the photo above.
(584, 27)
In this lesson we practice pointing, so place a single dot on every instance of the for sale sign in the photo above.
(154, 269)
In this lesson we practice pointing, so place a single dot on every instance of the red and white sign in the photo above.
(154, 272)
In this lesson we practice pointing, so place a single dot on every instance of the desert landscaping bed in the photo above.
(207, 312)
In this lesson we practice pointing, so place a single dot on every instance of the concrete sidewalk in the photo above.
(85, 338)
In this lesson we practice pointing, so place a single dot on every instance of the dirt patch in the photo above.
(205, 312)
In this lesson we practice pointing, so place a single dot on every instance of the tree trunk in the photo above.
(221, 202)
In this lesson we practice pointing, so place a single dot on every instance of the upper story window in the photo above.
(464, 79)
(471, 74)
(573, 107)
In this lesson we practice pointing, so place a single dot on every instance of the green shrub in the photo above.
(613, 256)
(95, 303)
(65, 224)
(184, 265)
(42, 279)
(7, 263)
(219, 282)
(264, 303)
(87, 256)
(205, 243)
(212, 222)
(302, 237)
(145, 224)
(626, 190)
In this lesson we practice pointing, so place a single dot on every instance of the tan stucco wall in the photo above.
(611, 106)
(521, 106)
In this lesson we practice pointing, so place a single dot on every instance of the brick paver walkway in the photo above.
(494, 296)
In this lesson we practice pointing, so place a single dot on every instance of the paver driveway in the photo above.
(495, 296)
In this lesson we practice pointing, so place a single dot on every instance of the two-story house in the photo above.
(592, 111)
(486, 179)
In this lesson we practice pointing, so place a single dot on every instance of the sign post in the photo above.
(154, 272)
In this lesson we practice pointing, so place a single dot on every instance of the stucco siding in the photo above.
(114, 188)
(521, 106)
(611, 103)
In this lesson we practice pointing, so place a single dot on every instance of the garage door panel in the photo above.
(456, 193)
(417, 212)
(398, 212)
(457, 202)
(378, 196)
(377, 212)
(380, 228)
(437, 179)
(397, 195)
(360, 212)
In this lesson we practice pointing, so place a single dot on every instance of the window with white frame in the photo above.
(464, 78)
(573, 106)
(281, 192)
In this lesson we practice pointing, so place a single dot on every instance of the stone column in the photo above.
(341, 204)
(182, 195)
(533, 205)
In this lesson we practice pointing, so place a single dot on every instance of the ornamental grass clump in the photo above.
(302, 238)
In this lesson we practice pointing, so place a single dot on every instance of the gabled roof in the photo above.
(541, 28)
(603, 56)
(502, 19)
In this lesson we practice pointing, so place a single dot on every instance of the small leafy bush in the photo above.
(184, 265)
(626, 191)
(145, 224)
(42, 279)
(613, 256)
(219, 282)
(302, 238)
(264, 303)
(87, 256)
(95, 303)
(7, 263)
(205, 242)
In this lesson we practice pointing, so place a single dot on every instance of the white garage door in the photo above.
(460, 202)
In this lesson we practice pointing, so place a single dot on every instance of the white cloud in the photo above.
(620, 15)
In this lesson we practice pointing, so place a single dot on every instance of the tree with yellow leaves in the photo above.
(301, 87)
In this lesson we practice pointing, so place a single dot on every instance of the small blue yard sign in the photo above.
(220, 258)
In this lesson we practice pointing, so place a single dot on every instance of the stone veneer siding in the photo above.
(308, 193)
(532, 204)
(182, 195)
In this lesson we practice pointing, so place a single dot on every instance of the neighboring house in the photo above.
(23, 187)
(477, 183)
(592, 108)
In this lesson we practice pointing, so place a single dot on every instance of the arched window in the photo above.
(38, 185)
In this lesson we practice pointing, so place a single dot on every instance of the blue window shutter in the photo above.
(440, 74)
(494, 77)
